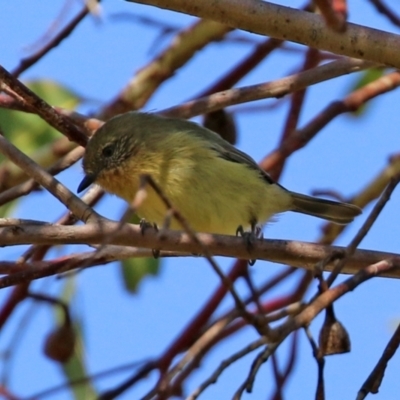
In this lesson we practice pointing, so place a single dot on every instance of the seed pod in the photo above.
(333, 338)
(221, 122)
(60, 343)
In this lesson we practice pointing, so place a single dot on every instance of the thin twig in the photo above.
(56, 188)
(240, 70)
(331, 295)
(26, 187)
(224, 365)
(296, 105)
(364, 229)
(139, 375)
(387, 11)
(257, 363)
(284, 375)
(277, 88)
(27, 62)
(374, 380)
(320, 392)
(350, 103)
(219, 330)
(53, 301)
(85, 379)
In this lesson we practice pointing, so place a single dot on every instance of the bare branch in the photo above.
(72, 202)
(26, 187)
(277, 88)
(298, 254)
(148, 79)
(224, 365)
(27, 62)
(365, 227)
(374, 380)
(291, 24)
(328, 297)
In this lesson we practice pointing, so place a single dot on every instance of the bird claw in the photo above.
(156, 253)
(144, 225)
(249, 238)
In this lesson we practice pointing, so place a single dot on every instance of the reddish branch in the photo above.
(351, 103)
(334, 13)
(309, 313)
(261, 51)
(17, 295)
(296, 105)
(281, 377)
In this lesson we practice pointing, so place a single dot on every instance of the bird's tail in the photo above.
(340, 213)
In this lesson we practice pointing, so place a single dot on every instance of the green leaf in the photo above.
(55, 94)
(135, 269)
(30, 133)
(75, 369)
(6, 209)
(366, 77)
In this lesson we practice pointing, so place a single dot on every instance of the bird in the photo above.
(217, 188)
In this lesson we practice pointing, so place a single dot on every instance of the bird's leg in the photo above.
(146, 225)
(167, 219)
(240, 231)
(166, 224)
(249, 237)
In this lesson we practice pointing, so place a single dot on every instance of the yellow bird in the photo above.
(216, 187)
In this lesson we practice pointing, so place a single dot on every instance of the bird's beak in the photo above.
(86, 182)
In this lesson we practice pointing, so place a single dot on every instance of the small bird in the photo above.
(217, 188)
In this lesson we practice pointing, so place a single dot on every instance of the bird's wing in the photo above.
(226, 151)
(230, 153)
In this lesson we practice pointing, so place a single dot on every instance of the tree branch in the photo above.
(290, 24)
(295, 253)
(277, 88)
(55, 187)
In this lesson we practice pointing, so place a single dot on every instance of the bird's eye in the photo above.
(108, 150)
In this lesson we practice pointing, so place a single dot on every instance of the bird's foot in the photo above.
(249, 238)
(144, 225)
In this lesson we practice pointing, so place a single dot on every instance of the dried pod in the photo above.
(60, 343)
(333, 338)
(222, 123)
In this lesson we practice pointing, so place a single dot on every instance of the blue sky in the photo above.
(96, 62)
